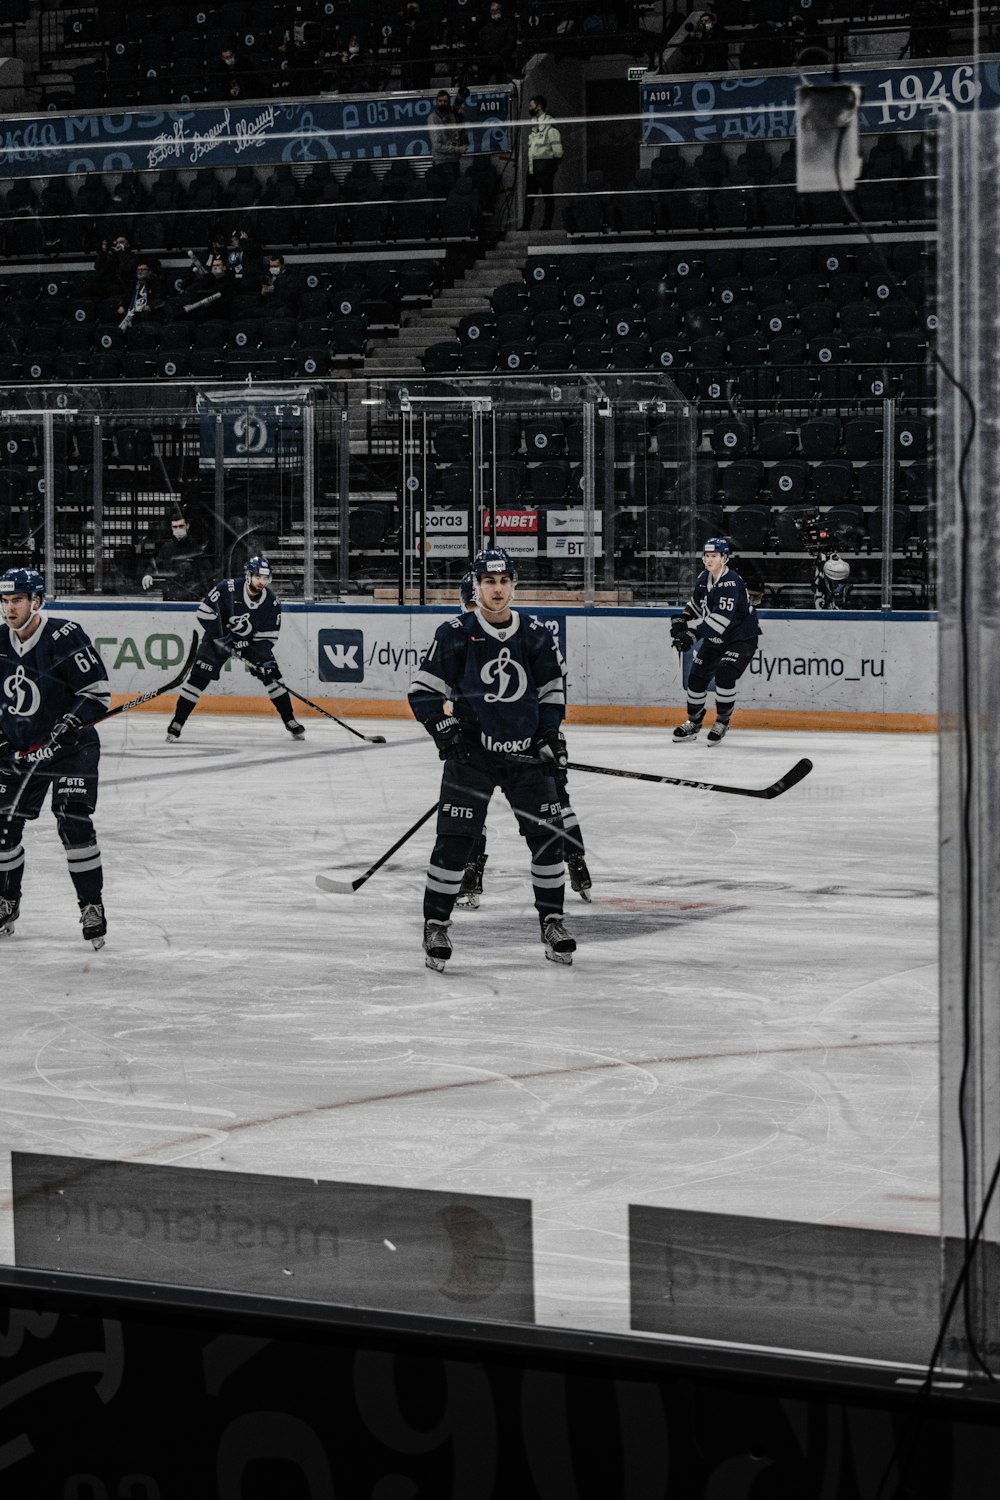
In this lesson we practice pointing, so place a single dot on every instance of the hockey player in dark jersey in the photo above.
(53, 685)
(239, 617)
(720, 618)
(576, 864)
(503, 675)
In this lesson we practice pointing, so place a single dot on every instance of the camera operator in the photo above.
(449, 142)
(703, 49)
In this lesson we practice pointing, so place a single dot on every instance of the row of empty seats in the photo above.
(744, 482)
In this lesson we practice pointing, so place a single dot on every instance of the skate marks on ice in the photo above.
(748, 1025)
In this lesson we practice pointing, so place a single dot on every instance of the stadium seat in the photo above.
(787, 480)
(830, 482)
(742, 481)
(900, 527)
(733, 437)
(820, 437)
(777, 437)
(749, 528)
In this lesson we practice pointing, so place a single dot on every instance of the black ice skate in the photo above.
(174, 730)
(9, 913)
(559, 946)
(437, 944)
(717, 732)
(472, 884)
(295, 729)
(94, 923)
(689, 729)
(579, 875)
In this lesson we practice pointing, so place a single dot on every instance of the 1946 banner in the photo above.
(677, 110)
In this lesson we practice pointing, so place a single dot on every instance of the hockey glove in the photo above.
(550, 747)
(237, 644)
(449, 736)
(7, 751)
(266, 672)
(63, 730)
(714, 640)
(680, 636)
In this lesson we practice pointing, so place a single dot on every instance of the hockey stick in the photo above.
(348, 887)
(797, 773)
(800, 770)
(165, 687)
(372, 739)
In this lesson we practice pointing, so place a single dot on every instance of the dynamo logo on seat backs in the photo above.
(341, 656)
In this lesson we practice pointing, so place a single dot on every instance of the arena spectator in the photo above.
(496, 47)
(114, 266)
(145, 299)
(228, 78)
(244, 256)
(449, 142)
(415, 48)
(279, 287)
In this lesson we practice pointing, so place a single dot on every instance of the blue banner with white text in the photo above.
(755, 106)
(220, 135)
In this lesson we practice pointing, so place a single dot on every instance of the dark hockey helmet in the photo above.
(22, 581)
(493, 560)
(467, 589)
(258, 566)
(717, 544)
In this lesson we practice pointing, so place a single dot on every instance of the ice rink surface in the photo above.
(750, 1024)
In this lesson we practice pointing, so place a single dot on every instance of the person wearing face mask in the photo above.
(146, 298)
(209, 296)
(279, 289)
(179, 565)
(496, 47)
(449, 142)
(229, 75)
(545, 151)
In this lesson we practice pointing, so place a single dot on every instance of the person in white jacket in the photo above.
(545, 151)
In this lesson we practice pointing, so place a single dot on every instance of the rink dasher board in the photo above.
(808, 662)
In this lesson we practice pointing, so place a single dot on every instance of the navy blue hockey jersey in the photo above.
(56, 671)
(507, 682)
(230, 617)
(722, 612)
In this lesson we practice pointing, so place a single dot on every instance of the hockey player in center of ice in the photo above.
(240, 617)
(720, 617)
(502, 673)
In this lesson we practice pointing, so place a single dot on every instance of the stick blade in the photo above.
(336, 887)
(376, 739)
(791, 778)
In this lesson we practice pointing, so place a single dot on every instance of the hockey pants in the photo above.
(727, 665)
(466, 789)
(572, 832)
(73, 780)
(207, 668)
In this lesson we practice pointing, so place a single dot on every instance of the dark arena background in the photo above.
(362, 290)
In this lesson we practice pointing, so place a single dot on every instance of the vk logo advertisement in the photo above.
(341, 656)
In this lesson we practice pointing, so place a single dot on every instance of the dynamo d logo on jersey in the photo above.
(341, 656)
(509, 676)
(24, 697)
